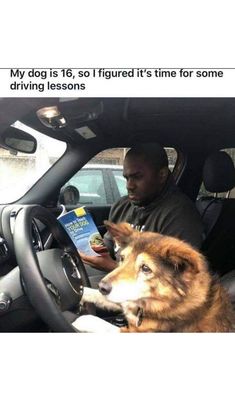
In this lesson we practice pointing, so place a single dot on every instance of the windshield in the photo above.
(18, 172)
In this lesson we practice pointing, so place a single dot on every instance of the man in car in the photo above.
(154, 203)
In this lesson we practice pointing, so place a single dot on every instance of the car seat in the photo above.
(218, 214)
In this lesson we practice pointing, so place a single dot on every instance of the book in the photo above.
(82, 230)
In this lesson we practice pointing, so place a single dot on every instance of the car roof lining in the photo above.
(123, 121)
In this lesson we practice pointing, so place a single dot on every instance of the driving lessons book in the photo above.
(81, 228)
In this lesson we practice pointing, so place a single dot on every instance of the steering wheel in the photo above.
(53, 279)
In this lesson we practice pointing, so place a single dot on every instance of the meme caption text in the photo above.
(75, 79)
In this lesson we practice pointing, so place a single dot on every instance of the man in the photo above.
(154, 203)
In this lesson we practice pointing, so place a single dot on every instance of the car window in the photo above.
(115, 156)
(90, 183)
(120, 181)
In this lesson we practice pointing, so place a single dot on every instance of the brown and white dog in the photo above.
(162, 284)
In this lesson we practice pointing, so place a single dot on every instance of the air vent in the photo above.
(4, 252)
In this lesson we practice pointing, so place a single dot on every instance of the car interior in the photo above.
(41, 274)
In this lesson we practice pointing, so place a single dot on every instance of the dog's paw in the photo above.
(95, 297)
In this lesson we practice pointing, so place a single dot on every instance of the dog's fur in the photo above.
(163, 284)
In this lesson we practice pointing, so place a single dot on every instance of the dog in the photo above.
(162, 284)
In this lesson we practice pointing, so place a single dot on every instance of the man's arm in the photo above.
(103, 262)
(106, 262)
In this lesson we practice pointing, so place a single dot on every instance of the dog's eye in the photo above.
(145, 269)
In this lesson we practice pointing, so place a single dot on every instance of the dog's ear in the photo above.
(179, 255)
(182, 263)
(121, 233)
(184, 260)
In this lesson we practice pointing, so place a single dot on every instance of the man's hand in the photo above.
(103, 262)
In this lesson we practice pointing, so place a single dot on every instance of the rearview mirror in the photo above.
(19, 141)
(69, 196)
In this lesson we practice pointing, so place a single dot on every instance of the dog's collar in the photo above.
(139, 317)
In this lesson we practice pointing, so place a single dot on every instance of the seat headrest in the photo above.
(219, 172)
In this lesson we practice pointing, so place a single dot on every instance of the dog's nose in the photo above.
(105, 287)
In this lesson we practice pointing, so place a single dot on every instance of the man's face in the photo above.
(143, 182)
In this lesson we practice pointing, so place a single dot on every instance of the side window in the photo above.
(204, 192)
(90, 183)
(116, 156)
(120, 181)
(172, 157)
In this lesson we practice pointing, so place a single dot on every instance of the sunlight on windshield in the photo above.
(19, 172)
